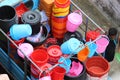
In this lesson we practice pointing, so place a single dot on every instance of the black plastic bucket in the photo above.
(8, 17)
(75, 34)
(43, 37)
(81, 76)
(33, 18)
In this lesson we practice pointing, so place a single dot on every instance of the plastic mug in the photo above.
(26, 48)
(18, 31)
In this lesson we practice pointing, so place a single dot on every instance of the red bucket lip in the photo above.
(62, 5)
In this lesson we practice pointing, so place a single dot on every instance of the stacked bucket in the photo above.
(46, 5)
(60, 11)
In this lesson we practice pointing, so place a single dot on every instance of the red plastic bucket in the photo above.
(40, 57)
(97, 66)
(58, 73)
(54, 53)
(92, 35)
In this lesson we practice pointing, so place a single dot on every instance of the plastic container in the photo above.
(33, 18)
(54, 53)
(62, 3)
(72, 46)
(83, 54)
(8, 17)
(102, 43)
(75, 34)
(92, 35)
(43, 37)
(92, 48)
(36, 57)
(95, 66)
(26, 48)
(18, 31)
(58, 73)
(81, 76)
(65, 63)
(74, 21)
(76, 69)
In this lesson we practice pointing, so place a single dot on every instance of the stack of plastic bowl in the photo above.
(60, 11)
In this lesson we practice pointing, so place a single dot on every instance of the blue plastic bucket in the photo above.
(72, 46)
(92, 48)
(18, 31)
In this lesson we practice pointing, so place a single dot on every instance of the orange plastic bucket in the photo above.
(97, 66)
(83, 54)
(62, 3)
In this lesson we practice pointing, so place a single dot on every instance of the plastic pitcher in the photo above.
(92, 48)
(76, 69)
(65, 63)
(74, 21)
(26, 48)
(39, 56)
(72, 46)
(54, 53)
(18, 31)
(102, 43)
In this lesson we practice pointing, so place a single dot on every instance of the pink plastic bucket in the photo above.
(74, 21)
(102, 43)
(26, 48)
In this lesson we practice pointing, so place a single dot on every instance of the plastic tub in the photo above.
(97, 66)
(62, 3)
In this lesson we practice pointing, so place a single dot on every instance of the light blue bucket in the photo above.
(72, 46)
(65, 63)
(92, 48)
(18, 31)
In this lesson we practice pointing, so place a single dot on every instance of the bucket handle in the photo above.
(78, 11)
(105, 36)
(44, 74)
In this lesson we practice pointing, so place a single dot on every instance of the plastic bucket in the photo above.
(81, 76)
(76, 69)
(8, 17)
(65, 63)
(102, 43)
(92, 35)
(42, 38)
(92, 48)
(26, 48)
(54, 53)
(36, 73)
(95, 66)
(75, 34)
(61, 14)
(74, 21)
(18, 31)
(33, 18)
(36, 57)
(72, 46)
(83, 54)
(62, 3)
(58, 73)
